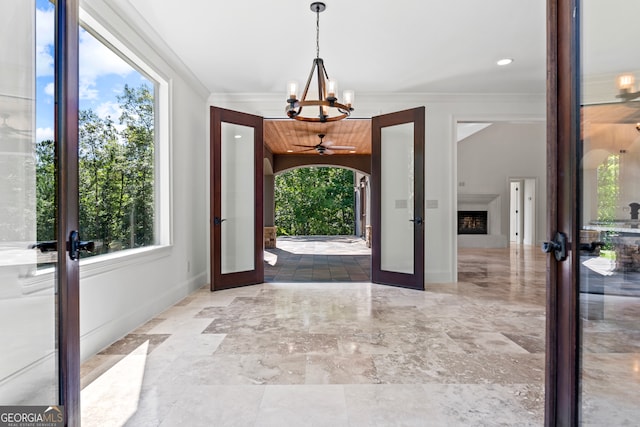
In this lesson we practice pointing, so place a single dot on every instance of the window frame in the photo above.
(163, 194)
(163, 229)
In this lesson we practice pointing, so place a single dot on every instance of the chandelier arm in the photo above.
(322, 88)
(306, 86)
(324, 70)
(325, 103)
(318, 120)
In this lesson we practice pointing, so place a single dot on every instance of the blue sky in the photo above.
(102, 74)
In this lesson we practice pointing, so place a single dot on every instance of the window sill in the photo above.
(108, 262)
(97, 265)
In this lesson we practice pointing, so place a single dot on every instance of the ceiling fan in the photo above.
(324, 148)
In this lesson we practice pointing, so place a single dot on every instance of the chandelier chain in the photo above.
(318, 32)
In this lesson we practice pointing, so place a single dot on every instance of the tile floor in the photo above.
(326, 353)
(318, 259)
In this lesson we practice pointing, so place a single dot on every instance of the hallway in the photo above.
(336, 354)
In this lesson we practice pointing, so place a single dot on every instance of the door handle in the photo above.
(48, 246)
(417, 220)
(75, 245)
(558, 246)
(218, 221)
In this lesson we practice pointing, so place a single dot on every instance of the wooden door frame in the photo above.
(416, 116)
(218, 280)
(563, 190)
(67, 272)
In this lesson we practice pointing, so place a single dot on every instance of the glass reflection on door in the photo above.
(609, 280)
(28, 359)
(238, 199)
(397, 199)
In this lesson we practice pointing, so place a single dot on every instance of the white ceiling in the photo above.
(374, 46)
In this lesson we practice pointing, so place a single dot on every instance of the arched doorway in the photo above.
(318, 217)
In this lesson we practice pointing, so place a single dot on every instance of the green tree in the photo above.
(116, 176)
(315, 201)
(608, 188)
(138, 117)
(102, 173)
(45, 190)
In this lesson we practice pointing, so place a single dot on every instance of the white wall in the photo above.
(119, 295)
(443, 111)
(489, 158)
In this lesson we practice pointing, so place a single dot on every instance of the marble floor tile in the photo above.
(220, 406)
(112, 398)
(489, 342)
(337, 369)
(131, 342)
(342, 351)
(303, 405)
(177, 325)
(96, 366)
(392, 405)
(486, 405)
(153, 406)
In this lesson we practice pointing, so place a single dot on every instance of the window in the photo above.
(122, 145)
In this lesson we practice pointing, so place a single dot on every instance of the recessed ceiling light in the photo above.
(504, 61)
(289, 151)
(352, 151)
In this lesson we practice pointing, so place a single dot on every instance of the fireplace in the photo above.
(472, 222)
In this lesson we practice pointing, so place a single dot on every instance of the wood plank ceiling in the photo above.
(284, 136)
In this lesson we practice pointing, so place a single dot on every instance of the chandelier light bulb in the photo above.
(348, 96)
(292, 89)
(625, 82)
(332, 88)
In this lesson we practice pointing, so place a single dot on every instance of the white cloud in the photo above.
(87, 89)
(107, 109)
(97, 60)
(49, 89)
(43, 134)
(45, 23)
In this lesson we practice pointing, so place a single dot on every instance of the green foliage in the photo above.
(116, 179)
(608, 188)
(45, 190)
(314, 201)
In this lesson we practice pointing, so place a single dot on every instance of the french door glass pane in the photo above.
(28, 360)
(397, 199)
(238, 199)
(610, 229)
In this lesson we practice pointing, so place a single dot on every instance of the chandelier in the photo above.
(329, 109)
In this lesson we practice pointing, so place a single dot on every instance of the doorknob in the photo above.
(218, 221)
(416, 220)
(558, 246)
